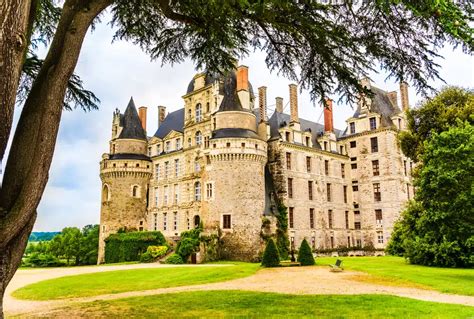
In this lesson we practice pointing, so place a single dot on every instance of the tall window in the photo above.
(326, 146)
(405, 167)
(165, 196)
(380, 237)
(287, 136)
(308, 164)
(307, 139)
(209, 191)
(197, 191)
(377, 194)
(167, 169)
(375, 168)
(343, 170)
(311, 218)
(378, 216)
(178, 143)
(328, 192)
(157, 171)
(165, 221)
(206, 141)
(157, 196)
(344, 189)
(326, 167)
(290, 217)
(135, 191)
(226, 221)
(408, 191)
(310, 190)
(168, 147)
(346, 215)
(197, 166)
(176, 194)
(374, 145)
(198, 138)
(155, 221)
(175, 221)
(357, 225)
(176, 167)
(288, 160)
(105, 194)
(330, 221)
(352, 127)
(290, 187)
(373, 123)
(198, 112)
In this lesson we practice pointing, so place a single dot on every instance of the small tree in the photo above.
(271, 258)
(305, 256)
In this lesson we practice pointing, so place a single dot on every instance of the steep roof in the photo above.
(132, 127)
(228, 88)
(173, 121)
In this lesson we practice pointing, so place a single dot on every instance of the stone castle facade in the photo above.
(223, 162)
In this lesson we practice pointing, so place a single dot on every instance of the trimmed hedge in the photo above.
(122, 247)
(174, 259)
(305, 256)
(271, 258)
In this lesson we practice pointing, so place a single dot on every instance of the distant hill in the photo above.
(43, 235)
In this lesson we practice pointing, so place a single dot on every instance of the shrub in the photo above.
(271, 258)
(42, 260)
(189, 243)
(122, 247)
(157, 251)
(305, 256)
(146, 257)
(174, 259)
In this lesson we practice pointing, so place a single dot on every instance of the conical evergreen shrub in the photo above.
(270, 255)
(305, 256)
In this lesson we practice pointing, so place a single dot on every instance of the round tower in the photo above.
(237, 159)
(125, 173)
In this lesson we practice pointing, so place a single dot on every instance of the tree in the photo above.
(270, 258)
(437, 229)
(305, 255)
(331, 45)
(435, 115)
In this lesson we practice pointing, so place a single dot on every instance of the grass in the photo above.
(243, 304)
(391, 270)
(112, 282)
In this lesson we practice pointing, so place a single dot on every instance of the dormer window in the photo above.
(287, 136)
(178, 143)
(373, 123)
(168, 147)
(352, 127)
(198, 112)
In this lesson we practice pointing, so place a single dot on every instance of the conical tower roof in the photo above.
(132, 127)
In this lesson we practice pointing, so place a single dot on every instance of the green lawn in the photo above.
(112, 282)
(396, 271)
(242, 304)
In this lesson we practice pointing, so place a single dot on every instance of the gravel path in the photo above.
(294, 280)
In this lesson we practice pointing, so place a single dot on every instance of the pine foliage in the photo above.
(305, 255)
(271, 258)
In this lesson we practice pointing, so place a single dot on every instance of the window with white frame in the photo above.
(209, 191)
(157, 196)
(155, 221)
(165, 221)
(157, 171)
(380, 237)
(168, 147)
(198, 112)
(197, 191)
(197, 166)
(167, 169)
(198, 137)
(175, 221)
(165, 196)
(178, 143)
(176, 194)
(176, 167)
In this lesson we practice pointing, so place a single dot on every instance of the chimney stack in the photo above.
(393, 96)
(262, 103)
(279, 104)
(328, 118)
(404, 95)
(142, 116)
(161, 114)
(242, 78)
(294, 103)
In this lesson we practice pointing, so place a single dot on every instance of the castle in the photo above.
(223, 162)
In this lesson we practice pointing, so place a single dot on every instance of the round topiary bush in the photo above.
(174, 259)
(270, 258)
(305, 255)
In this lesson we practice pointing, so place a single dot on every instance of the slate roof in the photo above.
(132, 127)
(173, 121)
(210, 79)
(129, 156)
(228, 88)
(234, 132)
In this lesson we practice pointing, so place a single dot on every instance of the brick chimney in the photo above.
(393, 96)
(404, 95)
(161, 114)
(262, 102)
(328, 118)
(242, 78)
(142, 116)
(294, 103)
(279, 104)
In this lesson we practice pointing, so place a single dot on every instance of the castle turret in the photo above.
(125, 173)
(237, 159)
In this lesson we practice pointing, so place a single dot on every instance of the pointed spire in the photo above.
(132, 127)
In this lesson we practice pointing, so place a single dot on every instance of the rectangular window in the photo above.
(408, 191)
(288, 160)
(374, 145)
(167, 169)
(209, 191)
(353, 144)
(355, 186)
(165, 196)
(175, 221)
(308, 139)
(357, 225)
(308, 164)
(330, 221)
(377, 194)
(378, 216)
(290, 187)
(346, 215)
(176, 167)
(343, 170)
(168, 146)
(287, 136)
(157, 196)
(227, 221)
(375, 168)
(332, 242)
(405, 167)
(380, 237)
(352, 127)
(311, 218)
(328, 192)
(373, 123)
(326, 167)
(165, 221)
(313, 243)
(155, 221)
(157, 171)
(178, 143)
(348, 241)
(344, 188)
(326, 146)
(359, 243)
(206, 141)
(310, 190)
(341, 149)
(290, 217)
(149, 152)
(176, 194)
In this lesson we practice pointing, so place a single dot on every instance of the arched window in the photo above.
(198, 138)
(135, 191)
(105, 193)
(197, 191)
(198, 112)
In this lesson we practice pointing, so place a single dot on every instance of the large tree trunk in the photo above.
(29, 160)
(14, 17)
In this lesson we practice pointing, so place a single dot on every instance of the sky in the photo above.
(115, 71)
